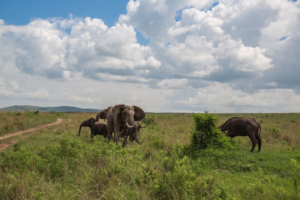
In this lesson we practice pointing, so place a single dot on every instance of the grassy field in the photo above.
(18, 121)
(57, 164)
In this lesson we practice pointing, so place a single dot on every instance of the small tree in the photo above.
(205, 133)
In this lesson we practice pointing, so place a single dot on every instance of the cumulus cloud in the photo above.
(43, 48)
(228, 55)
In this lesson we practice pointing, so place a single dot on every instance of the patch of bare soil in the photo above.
(6, 144)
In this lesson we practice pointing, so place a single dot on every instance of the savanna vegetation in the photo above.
(170, 164)
(18, 121)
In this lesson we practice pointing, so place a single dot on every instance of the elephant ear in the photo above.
(139, 113)
(102, 114)
(117, 110)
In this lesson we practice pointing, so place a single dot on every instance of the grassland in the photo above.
(18, 121)
(57, 164)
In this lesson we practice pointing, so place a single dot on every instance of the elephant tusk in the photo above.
(129, 126)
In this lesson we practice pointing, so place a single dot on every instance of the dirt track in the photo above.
(7, 144)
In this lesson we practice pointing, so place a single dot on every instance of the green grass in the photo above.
(17, 121)
(57, 164)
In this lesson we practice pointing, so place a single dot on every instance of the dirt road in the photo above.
(7, 144)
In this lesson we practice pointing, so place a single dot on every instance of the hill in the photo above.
(48, 109)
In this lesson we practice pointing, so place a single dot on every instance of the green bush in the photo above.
(205, 133)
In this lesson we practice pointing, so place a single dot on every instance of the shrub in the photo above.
(205, 134)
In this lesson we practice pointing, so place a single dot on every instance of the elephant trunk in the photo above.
(130, 121)
(79, 129)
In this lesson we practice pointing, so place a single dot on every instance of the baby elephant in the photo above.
(132, 133)
(97, 128)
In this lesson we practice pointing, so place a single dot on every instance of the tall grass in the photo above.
(57, 164)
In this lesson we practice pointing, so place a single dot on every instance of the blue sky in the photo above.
(20, 12)
(219, 56)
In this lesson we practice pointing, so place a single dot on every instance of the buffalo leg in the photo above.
(253, 140)
(258, 141)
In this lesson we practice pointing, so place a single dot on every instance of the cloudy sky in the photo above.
(162, 55)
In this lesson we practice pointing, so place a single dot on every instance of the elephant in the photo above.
(97, 128)
(133, 133)
(102, 114)
(243, 126)
(121, 118)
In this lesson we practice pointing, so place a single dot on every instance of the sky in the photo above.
(231, 56)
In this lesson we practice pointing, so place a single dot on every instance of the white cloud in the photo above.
(228, 58)
(81, 99)
(40, 93)
(222, 98)
(14, 84)
(173, 83)
(108, 77)
(249, 59)
(89, 91)
(42, 48)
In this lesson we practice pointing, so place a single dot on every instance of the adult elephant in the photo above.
(243, 126)
(121, 117)
(97, 128)
(102, 114)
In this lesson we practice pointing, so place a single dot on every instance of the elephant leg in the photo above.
(131, 139)
(135, 137)
(118, 130)
(253, 140)
(92, 134)
(125, 142)
(116, 137)
(109, 135)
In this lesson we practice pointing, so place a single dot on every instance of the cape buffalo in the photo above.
(243, 126)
